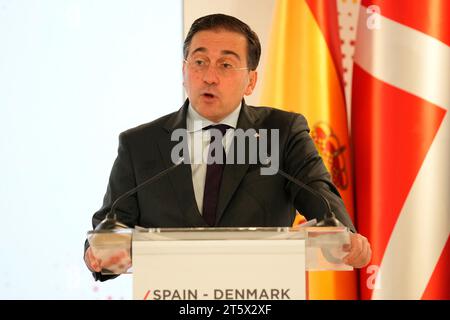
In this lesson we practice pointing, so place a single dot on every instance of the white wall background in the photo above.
(73, 75)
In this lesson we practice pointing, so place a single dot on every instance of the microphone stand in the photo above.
(329, 219)
(110, 222)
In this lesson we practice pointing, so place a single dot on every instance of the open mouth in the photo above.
(208, 95)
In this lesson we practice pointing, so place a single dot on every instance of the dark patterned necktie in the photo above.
(214, 173)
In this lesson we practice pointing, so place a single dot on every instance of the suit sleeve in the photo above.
(302, 160)
(121, 180)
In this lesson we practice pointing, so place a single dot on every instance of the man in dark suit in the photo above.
(221, 55)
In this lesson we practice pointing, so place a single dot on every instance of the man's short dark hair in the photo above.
(228, 23)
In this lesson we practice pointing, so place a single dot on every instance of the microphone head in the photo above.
(330, 221)
(110, 224)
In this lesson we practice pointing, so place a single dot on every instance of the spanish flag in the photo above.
(304, 75)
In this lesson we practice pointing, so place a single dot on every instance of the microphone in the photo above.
(329, 219)
(110, 222)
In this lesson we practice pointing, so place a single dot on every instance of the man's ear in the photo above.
(184, 71)
(253, 77)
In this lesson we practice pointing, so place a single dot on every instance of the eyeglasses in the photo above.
(223, 67)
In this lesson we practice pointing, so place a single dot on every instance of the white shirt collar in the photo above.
(196, 122)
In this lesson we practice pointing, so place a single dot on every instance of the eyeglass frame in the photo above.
(189, 63)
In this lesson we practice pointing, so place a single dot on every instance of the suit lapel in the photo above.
(234, 173)
(181, 178)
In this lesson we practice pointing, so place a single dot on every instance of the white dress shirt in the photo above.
(198, 144)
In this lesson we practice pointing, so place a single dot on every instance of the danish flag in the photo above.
(401, 138)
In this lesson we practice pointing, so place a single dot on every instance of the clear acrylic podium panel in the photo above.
(105, 244)
(324, 245)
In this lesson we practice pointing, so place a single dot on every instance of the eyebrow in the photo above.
(224, 52)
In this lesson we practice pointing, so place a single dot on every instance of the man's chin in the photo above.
(210, 113)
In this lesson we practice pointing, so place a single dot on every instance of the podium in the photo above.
(223, 263)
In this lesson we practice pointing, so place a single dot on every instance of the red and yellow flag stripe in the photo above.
(303, 74)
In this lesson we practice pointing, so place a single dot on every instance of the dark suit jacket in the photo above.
(247, 199)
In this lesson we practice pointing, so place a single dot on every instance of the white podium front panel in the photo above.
(217, 269)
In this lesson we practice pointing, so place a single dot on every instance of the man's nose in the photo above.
(210, 75)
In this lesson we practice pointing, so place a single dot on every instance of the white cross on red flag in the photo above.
(401, 138)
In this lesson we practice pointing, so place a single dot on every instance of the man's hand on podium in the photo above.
(117, 262)
(359, 249)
